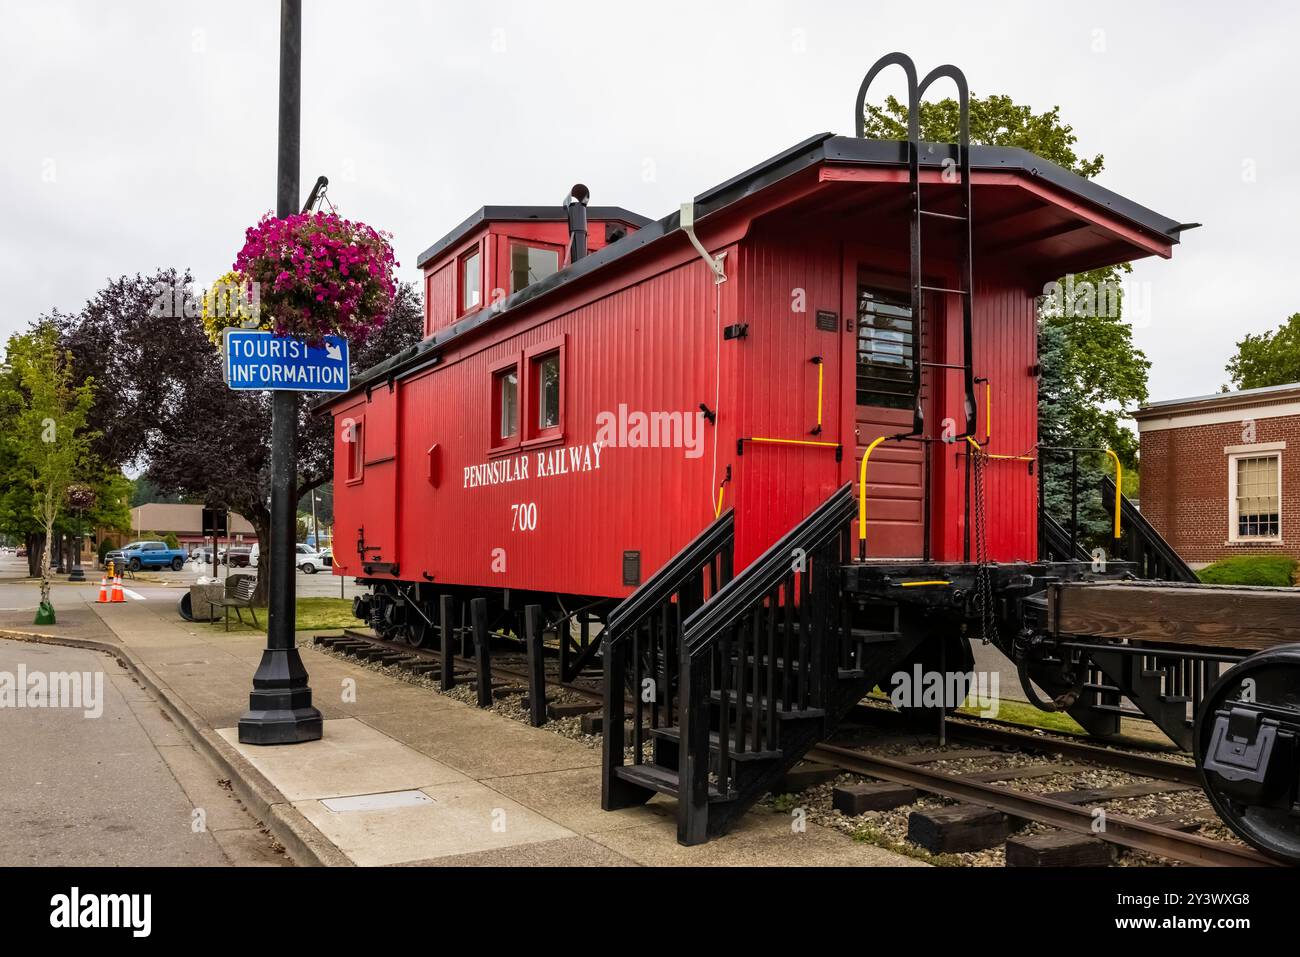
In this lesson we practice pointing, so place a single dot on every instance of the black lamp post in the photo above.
(77, 574)
(279, 707)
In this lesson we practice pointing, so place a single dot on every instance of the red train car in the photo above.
(575, 416)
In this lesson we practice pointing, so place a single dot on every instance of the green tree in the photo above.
(1092, 376)
(49, 438)
(1269, 358)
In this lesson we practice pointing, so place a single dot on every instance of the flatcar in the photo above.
(757, 456)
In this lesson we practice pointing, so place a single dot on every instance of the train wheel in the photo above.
(418, 633)
(1248, 750)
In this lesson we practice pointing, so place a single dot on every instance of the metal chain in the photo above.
(983, 576)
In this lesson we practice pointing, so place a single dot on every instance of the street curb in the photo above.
(305, 845)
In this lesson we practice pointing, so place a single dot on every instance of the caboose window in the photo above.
(354, 438)
(530, 264)
(470, 281)
(548, 391)
(508, 396)
(885, 374)
(504, 402)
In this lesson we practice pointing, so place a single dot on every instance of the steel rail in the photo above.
(979, 731)
(1119, 829)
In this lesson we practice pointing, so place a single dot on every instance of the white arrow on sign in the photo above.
(334, 352)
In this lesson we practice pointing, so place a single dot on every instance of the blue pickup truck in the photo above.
(138, 555)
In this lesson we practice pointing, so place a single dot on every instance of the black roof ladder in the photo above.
(915, 91)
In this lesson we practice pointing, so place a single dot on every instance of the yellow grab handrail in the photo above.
(862, 497)
(1119, 477)
(768, 441)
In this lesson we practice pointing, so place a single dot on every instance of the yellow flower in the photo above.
(232, 301)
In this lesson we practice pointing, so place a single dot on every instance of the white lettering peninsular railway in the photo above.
(545, 463)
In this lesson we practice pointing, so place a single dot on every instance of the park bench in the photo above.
(239, 595)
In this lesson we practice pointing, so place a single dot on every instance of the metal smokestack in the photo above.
(575, 204)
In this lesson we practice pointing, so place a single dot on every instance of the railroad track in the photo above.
(1076, 814)
(1163, 839)
(977, 731)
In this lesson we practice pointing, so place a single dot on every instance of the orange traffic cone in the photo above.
(118, 594)
(103, 592)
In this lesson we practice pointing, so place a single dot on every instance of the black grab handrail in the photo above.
(1143, 545)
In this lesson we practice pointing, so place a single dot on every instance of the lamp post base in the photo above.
(279, 706)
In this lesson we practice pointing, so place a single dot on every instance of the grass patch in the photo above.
(1026, 715)
(311, 614)
(1276, 570)
(1015, 712)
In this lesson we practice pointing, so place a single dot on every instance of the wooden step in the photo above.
(664, 780)
(674, 734)
(779, 666)
(782, 713)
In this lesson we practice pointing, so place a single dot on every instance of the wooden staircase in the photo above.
(729, 681)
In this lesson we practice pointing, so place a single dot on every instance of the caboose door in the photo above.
(887, 384)
(377, 530)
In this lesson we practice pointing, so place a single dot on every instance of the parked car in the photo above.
(238, 556)
(138, 555)
(310, 560)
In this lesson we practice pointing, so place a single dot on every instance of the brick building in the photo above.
(186, 522)
(1221, 473)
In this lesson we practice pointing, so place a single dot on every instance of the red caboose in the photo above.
(680, 428)
(594, 388)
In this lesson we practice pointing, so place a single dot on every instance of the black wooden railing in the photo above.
(1141, 544)
(765, 650)
(642, 646)
(1054, 543)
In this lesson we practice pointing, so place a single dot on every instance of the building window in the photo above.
(1256, 497)
(885, 374)
(530, 264)
(471, 282)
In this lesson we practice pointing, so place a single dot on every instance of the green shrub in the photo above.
(106, 546)
(171, 540)
(1277, 570)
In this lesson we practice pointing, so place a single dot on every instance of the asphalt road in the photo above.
(120, 787)
(320, 585)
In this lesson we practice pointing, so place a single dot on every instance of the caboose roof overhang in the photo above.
(525, 214)
(1028, 212)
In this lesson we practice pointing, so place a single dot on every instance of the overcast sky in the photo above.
(135, 135)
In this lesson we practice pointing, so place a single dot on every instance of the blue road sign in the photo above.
(261, 360)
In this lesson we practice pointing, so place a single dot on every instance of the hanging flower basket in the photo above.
(318, 274)
(80, 498)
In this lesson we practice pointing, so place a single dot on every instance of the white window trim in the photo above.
(1257, 447)
(1256, 452)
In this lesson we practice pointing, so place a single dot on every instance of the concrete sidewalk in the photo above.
(405, 775)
